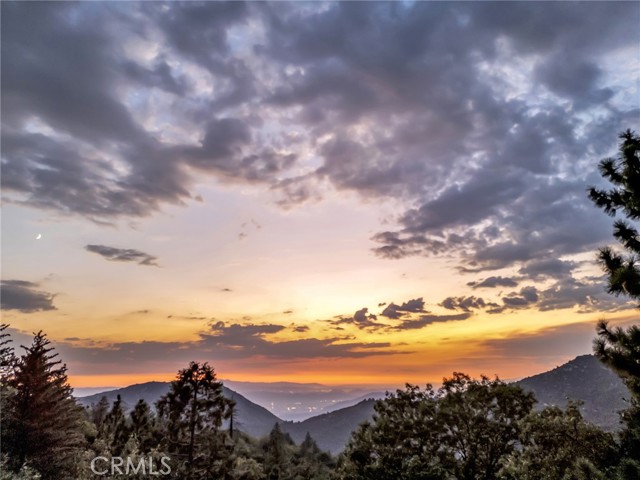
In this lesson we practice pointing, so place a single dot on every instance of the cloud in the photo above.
(25, 297)
(483, 123)
(222, 342)
(493, 282)
(393, 311)
(587, 294)
(564, 341)
(547, 268)
(526, 296)
(123, 255)
(361, 319)
(425, 320)
(466, 304)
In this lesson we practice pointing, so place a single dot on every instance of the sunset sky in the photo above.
(343, 193)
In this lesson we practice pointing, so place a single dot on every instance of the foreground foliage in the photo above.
(624, 174)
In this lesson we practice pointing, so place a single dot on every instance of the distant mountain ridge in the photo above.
(300, 401)
(332, 430)
(582, 379)
(250, 418)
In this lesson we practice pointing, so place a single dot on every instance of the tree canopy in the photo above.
(624, 173)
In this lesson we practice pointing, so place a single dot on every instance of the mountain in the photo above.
(331, 431)
(299, 401)
(354, 401)
(85, 392)
(585, 379)
(250, 418)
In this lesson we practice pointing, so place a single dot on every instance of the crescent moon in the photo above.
(39, 236)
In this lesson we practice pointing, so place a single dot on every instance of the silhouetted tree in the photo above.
(7, 355)
(558, 444)
(115, 430)
(311, 462)
(481, 420)
(465, 430)
(620, 350)
(277, 458)
(624, 174)
(616, 347)
(98, 413)
(193, 412)
(142, 426)
(43, 423)
(402, 442)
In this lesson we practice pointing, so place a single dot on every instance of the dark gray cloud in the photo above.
(221, 343)
(123, 255)
(425, 320)
(483, 121)
(524, 298)
(587, 294)
(547, 268)
(92, 154)
(494, 281)
(392, 310)
(361, 319)
(466, 304)
(566, 341)
(25, 297)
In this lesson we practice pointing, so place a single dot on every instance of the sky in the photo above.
(343, 193)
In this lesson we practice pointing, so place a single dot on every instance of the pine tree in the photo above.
(624, 174)
(115, 428)
(43, 422)
(277, 454)
(620, 350)
(616, 347)
(142, 426)
(7, 355)
(98, 414)
(311, 462)
(192, 413)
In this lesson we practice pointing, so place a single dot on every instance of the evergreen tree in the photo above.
(98, 414)
(620, 350)
(311, 462)
(115, 430)
(142, 426)
(7, 355)
(277, 459)
(624, 174)
(7, 370)
(192, 413)
(43, 423)
(616, 347)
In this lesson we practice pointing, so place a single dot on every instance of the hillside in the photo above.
(300, 401)
(355, 401)
(332, 430)
(583, 378)
(250, 418)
